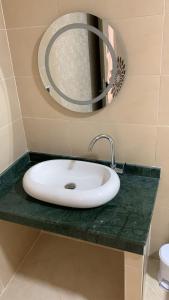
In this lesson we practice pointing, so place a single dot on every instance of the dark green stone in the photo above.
(122, 223)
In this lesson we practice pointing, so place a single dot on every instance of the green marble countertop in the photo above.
(122, 223)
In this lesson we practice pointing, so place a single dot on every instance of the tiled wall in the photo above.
(12, 136)
(138, 119)
(15, 240)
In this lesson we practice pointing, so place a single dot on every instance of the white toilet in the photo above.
(163, 275)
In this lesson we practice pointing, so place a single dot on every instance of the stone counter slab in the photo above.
(122, 223)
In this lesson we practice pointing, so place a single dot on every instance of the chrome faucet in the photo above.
(112, 146)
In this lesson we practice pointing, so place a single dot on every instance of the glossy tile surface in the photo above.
(152, 291)
(123, 223)
(15, 241)
(58, 268)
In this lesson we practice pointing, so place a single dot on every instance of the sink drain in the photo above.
(70, 186)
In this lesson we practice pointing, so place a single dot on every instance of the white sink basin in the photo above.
(71, 183)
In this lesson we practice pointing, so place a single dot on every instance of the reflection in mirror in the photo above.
(79, 62)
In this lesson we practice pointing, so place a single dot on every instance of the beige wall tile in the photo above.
(163, 113)
(2, 23)
(24, 45)
(166, 6)
(5, 61)
(5, 151)
(143, 55)
(14, 144)
(35, 100)
(113, 8)
(152, 289)
(9, 102)
(137, 102)
(83, 132)
(50, 136)
(160, 224)
(133, 276)
(162, 151)
(18, 145)
(165, 53)
(58, 268)
(37, 103)
(129, 139)
(15, 241)
(142, 38)
(163, 189)
(1, 288)
(160, 228)
(23, 13)
(39, 12)
(133, 260)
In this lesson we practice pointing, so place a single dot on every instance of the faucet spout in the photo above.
(112, 146)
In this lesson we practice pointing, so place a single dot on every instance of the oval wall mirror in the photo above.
(80, 62)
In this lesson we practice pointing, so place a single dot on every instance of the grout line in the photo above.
(161, 54)
(2, 287)
(21, 263)
(49, 119)
(165, 7)
(128, 75)
(3, 17)
(114, 19)
(11, 61)
(7, 78)
(13, 75)
(11, 123)
(59, 15)
(92, 121)
(57, 235)
(12, 163)
(10, 55)
(27, 27)
(161, 60)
